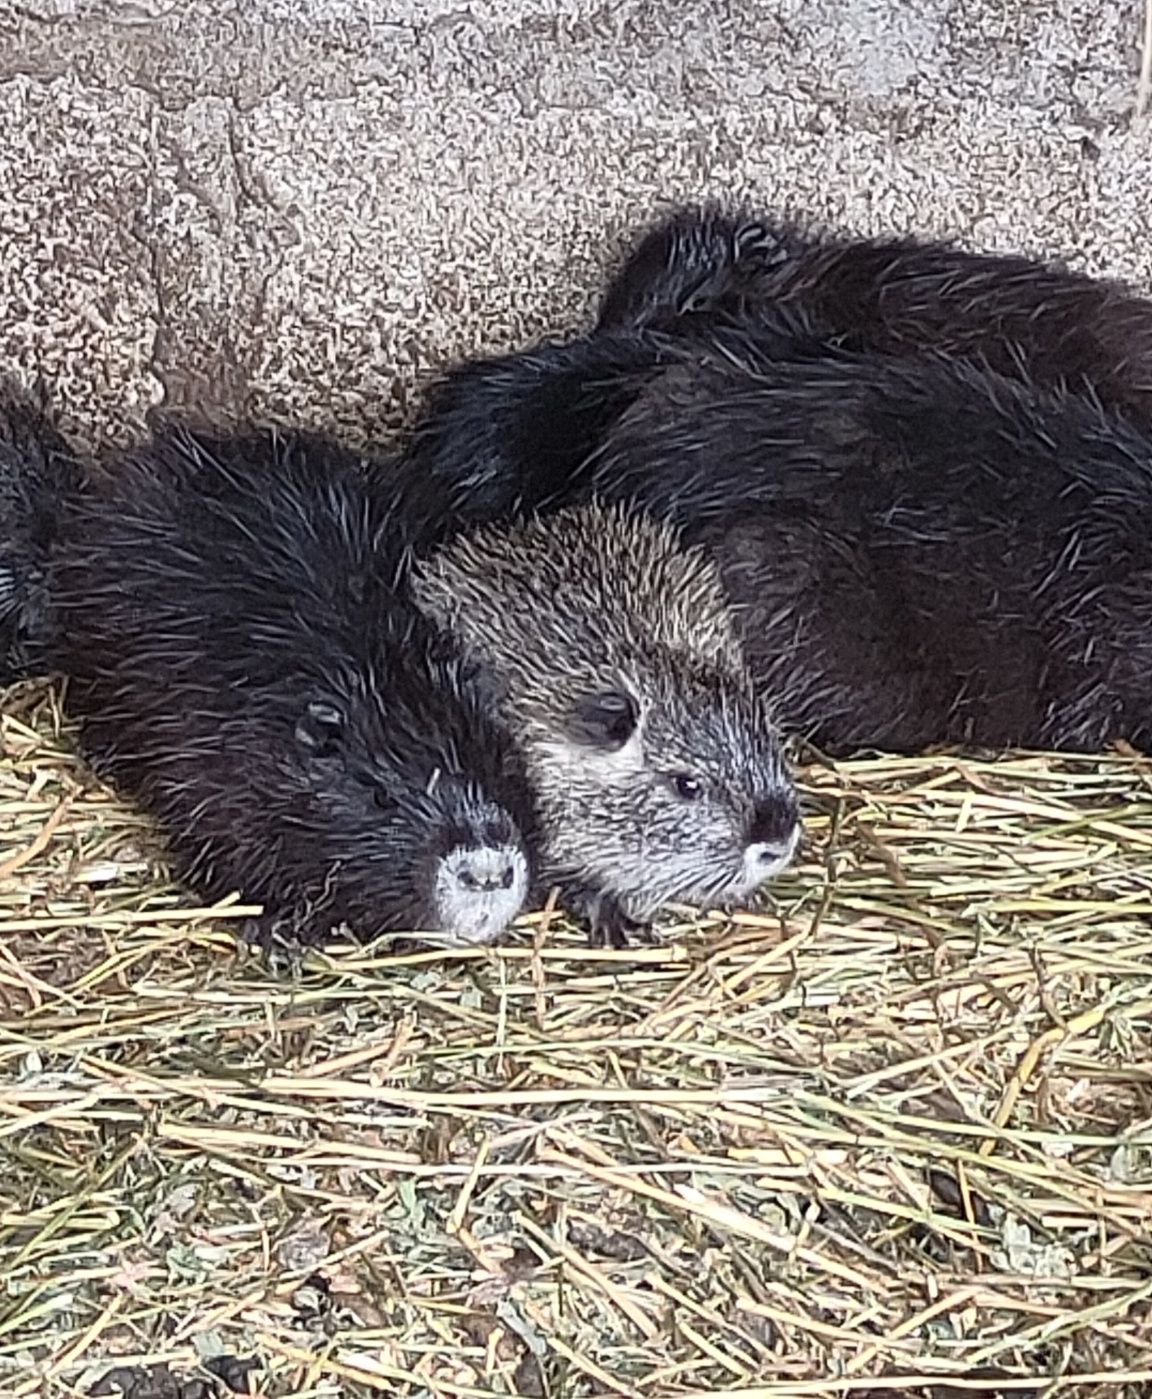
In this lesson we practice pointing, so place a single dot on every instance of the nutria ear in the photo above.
(606, 720)
(320, 730)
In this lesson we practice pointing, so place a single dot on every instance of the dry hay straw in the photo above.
(889, 1137)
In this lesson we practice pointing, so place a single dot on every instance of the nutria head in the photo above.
(657, 771)
(244, 666)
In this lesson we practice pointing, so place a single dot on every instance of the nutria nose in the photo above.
(773, 825)
(773, 835)
(486, 872)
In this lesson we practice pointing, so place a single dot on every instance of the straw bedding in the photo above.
(890, 1134)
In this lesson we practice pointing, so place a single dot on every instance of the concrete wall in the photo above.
(295, 210)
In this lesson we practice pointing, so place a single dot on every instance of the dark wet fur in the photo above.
(503, 437)
(696, 271)
(499, 435)
(208, 594)
(923, 472)
(37, 470)
(921, 552)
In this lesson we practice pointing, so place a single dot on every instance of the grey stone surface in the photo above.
(295, 209)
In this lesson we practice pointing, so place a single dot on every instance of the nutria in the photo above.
(696, 269)
(919, 551)
(243, 663)
(807, 468)
(37, 469)
(657, 772)
(502, 437)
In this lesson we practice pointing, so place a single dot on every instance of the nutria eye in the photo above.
(694, 300)
(320, 730)
(607, 720)
(686, 787)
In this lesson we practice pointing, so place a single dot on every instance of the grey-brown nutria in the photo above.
(656, 769)
(246, 666)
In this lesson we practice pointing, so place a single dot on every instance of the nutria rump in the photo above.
(694, 271)
(919, 551)
(37, 470)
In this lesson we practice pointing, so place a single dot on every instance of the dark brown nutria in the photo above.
(657, 773)
(919, 551)
(695, 270)
(228, 616)
(37, 470)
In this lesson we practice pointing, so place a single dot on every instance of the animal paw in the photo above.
(607, 923)
(610, 926)
(279, 937)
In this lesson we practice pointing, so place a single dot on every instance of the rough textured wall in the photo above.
(296, 208)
